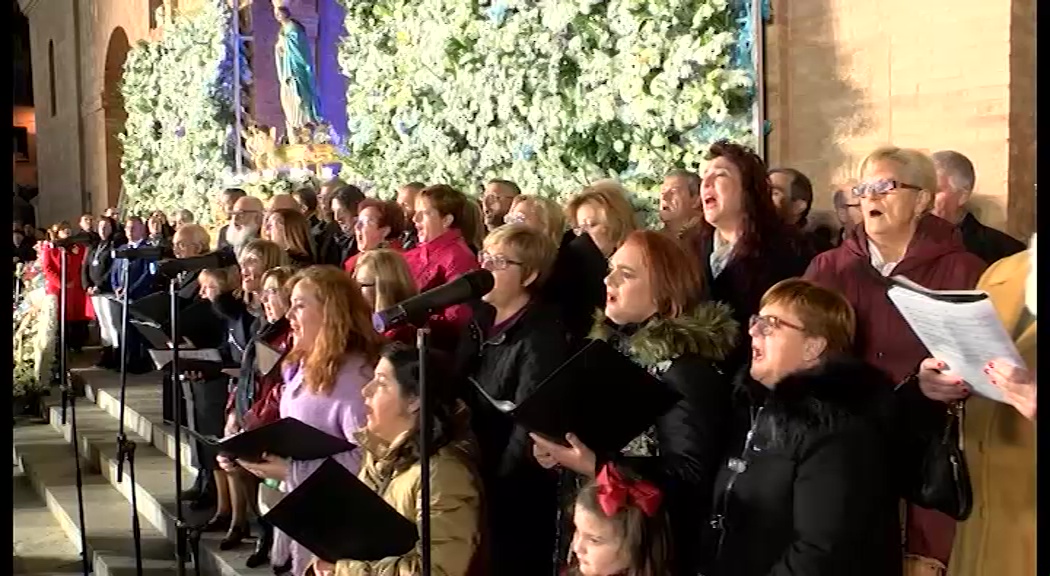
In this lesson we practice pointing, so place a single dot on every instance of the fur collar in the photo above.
(708, 331)
(826, 398)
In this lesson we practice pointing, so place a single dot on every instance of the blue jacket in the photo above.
(140, 274)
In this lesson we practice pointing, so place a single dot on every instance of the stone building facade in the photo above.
(843, 77)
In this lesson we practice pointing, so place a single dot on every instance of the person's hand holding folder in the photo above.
(270, 468)
(936, 385)
(576, 456)
(1017, 384)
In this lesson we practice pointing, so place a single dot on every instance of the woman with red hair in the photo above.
(654, 314)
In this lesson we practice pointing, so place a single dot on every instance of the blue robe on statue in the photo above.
(296, 75)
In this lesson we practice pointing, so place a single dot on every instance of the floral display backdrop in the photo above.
(552, 94)
(178, 93)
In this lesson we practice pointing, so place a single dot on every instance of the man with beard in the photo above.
(246, 220)
(229, 197)
(496, 201)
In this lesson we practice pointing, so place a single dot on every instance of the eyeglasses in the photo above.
(514, 218)
(363, 222)
(585, 226)
(767, 324)
(495, 262)
(881, 187)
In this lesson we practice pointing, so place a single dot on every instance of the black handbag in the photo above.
(944, 481)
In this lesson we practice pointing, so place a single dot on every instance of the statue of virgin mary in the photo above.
(295, 72)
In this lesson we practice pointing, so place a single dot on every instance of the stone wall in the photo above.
(845, 77)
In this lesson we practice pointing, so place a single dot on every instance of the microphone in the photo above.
(175, 266)
(81, 237)
(140, 253)
(467, 287)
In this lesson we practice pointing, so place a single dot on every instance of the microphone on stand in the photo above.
(469, 286)
(82, 237)
(173, 267)
(140, 253)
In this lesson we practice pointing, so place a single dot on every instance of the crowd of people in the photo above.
(804, 396)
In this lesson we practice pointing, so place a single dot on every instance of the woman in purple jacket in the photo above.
(332, 359)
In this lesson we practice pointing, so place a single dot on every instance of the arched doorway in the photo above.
(113, 107)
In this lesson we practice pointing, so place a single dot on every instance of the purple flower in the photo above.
(180, 131)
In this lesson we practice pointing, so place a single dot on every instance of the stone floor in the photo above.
(40, 544)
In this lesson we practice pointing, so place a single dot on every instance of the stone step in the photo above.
(40, 544)
(154, 485)
(45, 459)
(144, 414)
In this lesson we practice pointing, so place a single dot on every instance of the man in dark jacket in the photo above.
(955, 184)
(140, 283)
(793, 196)
(406, 199)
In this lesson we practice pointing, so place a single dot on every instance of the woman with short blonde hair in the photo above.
(603, 211)
(899, 236)
(539, 212)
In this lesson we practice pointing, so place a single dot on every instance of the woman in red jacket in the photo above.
(76, 296)
(443, 254)
(899, 236)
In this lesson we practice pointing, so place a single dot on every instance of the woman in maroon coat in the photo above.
(76, 296)
(898, 237)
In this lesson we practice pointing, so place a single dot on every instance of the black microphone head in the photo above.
(481, 281)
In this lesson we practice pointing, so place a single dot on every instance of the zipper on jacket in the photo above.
(738, 466)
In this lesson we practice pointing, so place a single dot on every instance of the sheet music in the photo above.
(163, 357)
(963, 335)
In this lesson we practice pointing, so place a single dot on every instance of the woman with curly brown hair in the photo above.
(333, 354)
(744, 247)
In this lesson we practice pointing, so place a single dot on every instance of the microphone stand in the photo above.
(184, 533)
(69, 397)
(125, 447)
(422, 335)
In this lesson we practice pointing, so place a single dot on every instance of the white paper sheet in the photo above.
(963, 335)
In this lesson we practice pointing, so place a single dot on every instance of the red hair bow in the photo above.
(614, 493)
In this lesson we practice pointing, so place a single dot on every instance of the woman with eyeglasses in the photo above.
(513, 343)
(809, 484)
(900, 237)
(256, 399)
(600, 218)
(655, 315)
(379, 225)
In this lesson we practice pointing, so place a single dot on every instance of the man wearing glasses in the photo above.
(496, 201)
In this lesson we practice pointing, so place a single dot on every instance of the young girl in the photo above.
(621, 528)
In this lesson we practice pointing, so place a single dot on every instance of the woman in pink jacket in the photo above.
(443, 253)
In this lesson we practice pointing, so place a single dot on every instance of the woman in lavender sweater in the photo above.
(335, 350)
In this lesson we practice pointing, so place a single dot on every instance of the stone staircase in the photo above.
(43, 454)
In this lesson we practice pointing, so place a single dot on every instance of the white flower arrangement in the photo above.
(551, 94)
(35, 334)
(178, 93)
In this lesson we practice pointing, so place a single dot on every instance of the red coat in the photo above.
(936, 259)
(439, 261)
(76, 296)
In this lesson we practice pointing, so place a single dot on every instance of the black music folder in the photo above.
(198, 321)
(287, 438)
(267, 358)
(599, 395)
(207, 361)
(336, 517)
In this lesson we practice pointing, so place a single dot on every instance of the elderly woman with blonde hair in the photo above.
(898, 236)
(539, 213)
